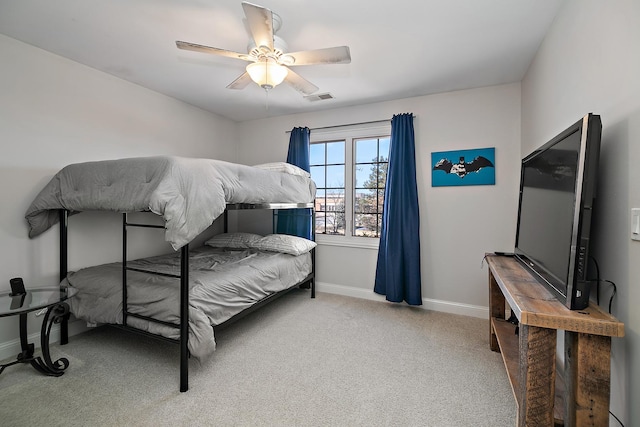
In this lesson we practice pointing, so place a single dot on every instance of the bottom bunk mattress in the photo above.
(222, 283)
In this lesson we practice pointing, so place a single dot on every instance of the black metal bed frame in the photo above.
(183, 326)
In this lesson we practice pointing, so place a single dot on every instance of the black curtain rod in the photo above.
(348, 124)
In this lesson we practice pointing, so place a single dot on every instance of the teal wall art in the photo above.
(463, 167)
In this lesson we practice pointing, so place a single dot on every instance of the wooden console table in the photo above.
(580, 392)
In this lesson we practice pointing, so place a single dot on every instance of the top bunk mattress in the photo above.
(188, 193)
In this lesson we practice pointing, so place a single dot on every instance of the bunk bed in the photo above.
(188, 194)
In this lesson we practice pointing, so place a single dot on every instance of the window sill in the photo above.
(346, 242)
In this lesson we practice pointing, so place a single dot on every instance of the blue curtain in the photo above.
(297, 222)
(398, 268)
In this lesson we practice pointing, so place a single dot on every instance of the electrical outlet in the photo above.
(635, 224)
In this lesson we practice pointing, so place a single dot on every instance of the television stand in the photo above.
(579, 394)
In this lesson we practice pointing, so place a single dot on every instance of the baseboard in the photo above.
(427, 304)
(10, 349)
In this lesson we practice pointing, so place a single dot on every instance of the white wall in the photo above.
(458, 224)
(54, 112)
(590, 62)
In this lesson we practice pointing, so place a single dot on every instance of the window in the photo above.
(327, 161)
(370, 165)
(349, 169)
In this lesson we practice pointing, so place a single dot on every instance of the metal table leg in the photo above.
(55, 314)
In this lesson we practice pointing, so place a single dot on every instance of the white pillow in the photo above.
(284, 243)
(233, 240)
(284, 167)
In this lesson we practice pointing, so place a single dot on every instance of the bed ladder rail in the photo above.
(126, 313)
(63, 216)
(184, 297)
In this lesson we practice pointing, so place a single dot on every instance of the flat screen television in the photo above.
(557, 191)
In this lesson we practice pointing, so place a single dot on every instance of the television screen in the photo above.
(557, 190)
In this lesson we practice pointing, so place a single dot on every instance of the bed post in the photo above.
(184, 318)
(64, 218)
(125, 311)
(313, 253)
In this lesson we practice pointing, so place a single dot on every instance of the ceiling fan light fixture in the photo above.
(267, 74)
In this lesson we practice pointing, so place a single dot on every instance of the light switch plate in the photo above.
(635, 224)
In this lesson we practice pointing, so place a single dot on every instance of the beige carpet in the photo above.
(332, 361)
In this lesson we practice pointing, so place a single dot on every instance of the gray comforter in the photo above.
(188, 193)
(222, 283)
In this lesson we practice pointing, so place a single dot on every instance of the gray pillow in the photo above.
(284, 243)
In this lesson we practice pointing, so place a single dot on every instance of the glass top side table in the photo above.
(51, 301)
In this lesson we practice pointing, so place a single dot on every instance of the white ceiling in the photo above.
(399, 48)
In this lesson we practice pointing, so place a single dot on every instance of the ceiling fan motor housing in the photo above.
(279, 49)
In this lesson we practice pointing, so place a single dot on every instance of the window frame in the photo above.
(349, 135)
(377, 163)
(327, 189)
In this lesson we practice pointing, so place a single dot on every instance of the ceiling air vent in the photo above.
(318, 97)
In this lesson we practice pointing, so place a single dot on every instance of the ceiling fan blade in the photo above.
(213, 50)
(260, 22)
(241, 82)
(330, 55)
(300, 84)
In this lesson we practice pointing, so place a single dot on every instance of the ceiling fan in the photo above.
(268, 54)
